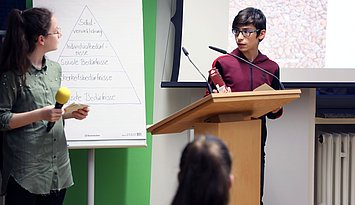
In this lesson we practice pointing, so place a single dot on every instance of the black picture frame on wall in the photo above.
(177, 21)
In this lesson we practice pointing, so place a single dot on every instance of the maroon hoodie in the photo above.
(240, 76)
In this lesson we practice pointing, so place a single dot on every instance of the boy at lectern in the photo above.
(36, 161)
(249, 29)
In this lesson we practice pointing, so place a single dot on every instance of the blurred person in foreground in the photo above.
(205, 173)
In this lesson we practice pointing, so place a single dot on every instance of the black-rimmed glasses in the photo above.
(245, 32)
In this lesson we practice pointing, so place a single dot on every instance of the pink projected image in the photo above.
(295, 34)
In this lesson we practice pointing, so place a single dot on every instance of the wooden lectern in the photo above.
(233, 118)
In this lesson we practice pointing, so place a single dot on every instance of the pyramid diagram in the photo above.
(92, 69)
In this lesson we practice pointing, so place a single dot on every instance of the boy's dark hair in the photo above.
(24, 28)
(250, 16)
(204, 176)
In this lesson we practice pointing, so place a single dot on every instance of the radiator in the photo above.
(335, 169)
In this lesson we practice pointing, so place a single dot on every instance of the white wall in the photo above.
(289, 162)
(166, 148)
(290, 154)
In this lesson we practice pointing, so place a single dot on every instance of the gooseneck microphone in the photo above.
(187, 55)
(62, 97)
(246, 61)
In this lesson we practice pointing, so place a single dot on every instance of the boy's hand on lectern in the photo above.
(226, 90)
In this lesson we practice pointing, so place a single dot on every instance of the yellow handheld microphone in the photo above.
(62, 97)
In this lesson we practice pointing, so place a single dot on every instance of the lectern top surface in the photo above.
(251, 104)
